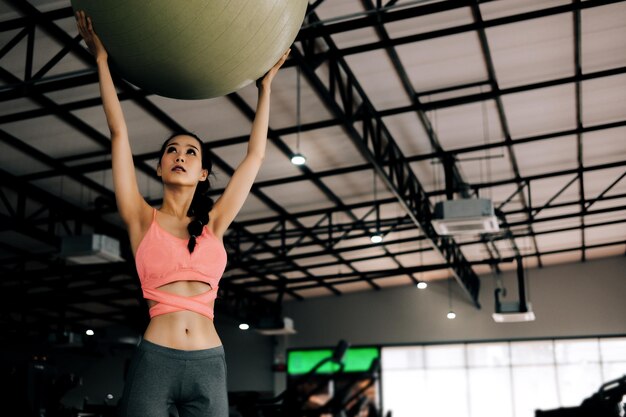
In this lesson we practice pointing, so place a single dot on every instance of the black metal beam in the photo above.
(312, 31)
(377, 146)
(579, 122)
(340, 279)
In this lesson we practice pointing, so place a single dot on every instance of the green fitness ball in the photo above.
(194, 49)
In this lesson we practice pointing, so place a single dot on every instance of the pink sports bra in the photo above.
(163, 258)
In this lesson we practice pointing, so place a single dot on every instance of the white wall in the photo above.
(579, 299)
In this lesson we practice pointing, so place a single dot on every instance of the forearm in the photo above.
(110, 101)
(260, 125)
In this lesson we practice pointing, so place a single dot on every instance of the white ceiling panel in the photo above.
(557, 154)
(486, 166)
(17, 106)
(408, 132)
(475, 252)
(339, 10)
(541, 111)
(326, 149)
(355, 185)
(302, 195)
(605, 146)
(18, 163)
(314, 292)
(562, 240)
(533, 50)
(380, 264)
(605, 252)
(356, 37)
(604, 100)
(502, 8)
(557, 224)
(443, 62)
(468, 125)
(610, 216)
(210, 119)
(376, 74)
(430, 23)
(276, 164)
(605, 234)
(389, 282)
(561, 258)
(603, 34)
(597, 182)
(545, 189)
(429, 174)
(57, 140)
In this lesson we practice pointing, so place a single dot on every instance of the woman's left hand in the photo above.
(267, 79)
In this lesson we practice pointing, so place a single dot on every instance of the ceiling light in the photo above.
(298, 159)
(376, 238)
(451, 315)
(244, 326)
(422, 285)
(89, 332)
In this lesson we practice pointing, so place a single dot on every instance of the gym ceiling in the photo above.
(520, 101)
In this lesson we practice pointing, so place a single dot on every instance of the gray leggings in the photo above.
(159, 378)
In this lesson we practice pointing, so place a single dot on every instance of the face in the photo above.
(181, 162)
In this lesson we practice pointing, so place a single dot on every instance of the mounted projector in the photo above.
(465, 217)
(90, 249)
(275, 327)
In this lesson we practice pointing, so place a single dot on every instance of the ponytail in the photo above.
(199, 210)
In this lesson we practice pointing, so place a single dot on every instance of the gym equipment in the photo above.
(194, 49)
(337, 393)
(607, 402)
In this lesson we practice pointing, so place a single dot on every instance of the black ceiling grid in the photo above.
(570, 211)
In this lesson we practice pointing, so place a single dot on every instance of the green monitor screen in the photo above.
(358, 359)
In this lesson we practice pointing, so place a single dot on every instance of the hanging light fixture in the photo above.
(422, 285)
(377, 237)
(298, 158)
(451, 314)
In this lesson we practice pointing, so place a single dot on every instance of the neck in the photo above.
(176, 201)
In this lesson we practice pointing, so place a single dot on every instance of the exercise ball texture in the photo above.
(194, 49)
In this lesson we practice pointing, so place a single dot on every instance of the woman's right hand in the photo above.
(85, 28)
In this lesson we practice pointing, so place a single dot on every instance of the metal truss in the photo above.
(263, 266)
(375, 143)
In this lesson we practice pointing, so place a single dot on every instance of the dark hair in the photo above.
(201, 203)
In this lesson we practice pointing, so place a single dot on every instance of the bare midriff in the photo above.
(184, 330)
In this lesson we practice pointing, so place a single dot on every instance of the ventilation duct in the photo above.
(90, 249)
(465, 217)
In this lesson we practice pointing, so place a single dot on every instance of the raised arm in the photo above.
(131, 205)
(238, 188)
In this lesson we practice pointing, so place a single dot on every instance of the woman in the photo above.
(179, 255)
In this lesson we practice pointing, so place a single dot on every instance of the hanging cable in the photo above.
(298, 158)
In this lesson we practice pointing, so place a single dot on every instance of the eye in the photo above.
(171, 149)
(191, 151)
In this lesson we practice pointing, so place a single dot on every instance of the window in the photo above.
(503, 379)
